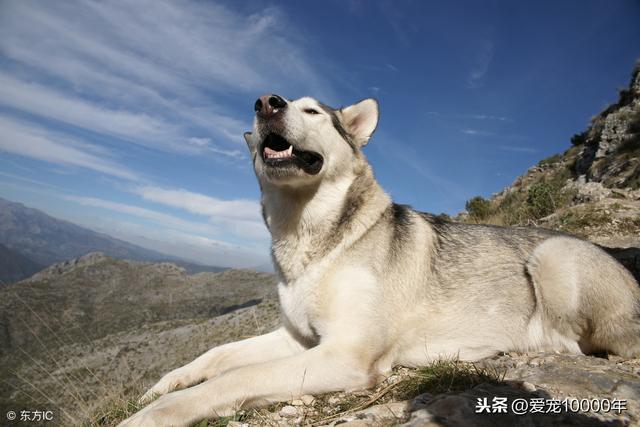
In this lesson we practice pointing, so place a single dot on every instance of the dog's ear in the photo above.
(360, 120)
(249, 140)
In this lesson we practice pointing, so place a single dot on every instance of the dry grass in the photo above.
(445, 376)
(115, 411)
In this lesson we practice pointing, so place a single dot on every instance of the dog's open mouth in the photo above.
(278, 152)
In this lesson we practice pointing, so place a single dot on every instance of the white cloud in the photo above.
(26, 140)
(467, 116)
(482, 61)
(516, 149)
(489, 117)
(240, 218)
(181, 244)
(164, 233)
(410, 157)
(36, 182)
(476, 132)
(246, 210)
(200, 142)
(236, 154)
(159, 218)
(188, 246)
(205, 143)
(40, 100)
(151, 72)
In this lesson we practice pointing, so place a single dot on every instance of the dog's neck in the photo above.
(307, 224)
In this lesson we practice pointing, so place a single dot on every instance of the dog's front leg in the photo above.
(321, 369)
(218, 360)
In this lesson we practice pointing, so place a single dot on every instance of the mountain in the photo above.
(46, 240)
(14, 266)
(97, 323)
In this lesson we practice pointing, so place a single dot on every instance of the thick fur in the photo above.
(366, 284)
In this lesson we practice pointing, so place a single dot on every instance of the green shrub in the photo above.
(541, 199)
(579, 138)
(479, 208)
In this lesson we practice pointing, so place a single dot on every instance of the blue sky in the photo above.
(127, 116)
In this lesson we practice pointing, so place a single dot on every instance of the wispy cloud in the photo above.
(181, 243)
(239, 217)
(480, 68)
(489, 117)
(159, 218)
(27, 140)
(200, 203)
(496, 135)
(153, 73)
(516, 149)
(185, 245)
(205, 143)
(198, 241)
(477, 132)
(468, 116)
(51, 104)
(36, 182)
(406, 154)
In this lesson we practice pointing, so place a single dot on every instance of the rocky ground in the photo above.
(506, 390)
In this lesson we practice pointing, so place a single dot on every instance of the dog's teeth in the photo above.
(290, 150)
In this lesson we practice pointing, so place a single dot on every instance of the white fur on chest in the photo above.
(339, 303)
(298, 305)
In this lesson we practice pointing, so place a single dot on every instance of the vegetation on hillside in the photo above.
(608, 153)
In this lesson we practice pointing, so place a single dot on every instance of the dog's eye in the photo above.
(311, 111)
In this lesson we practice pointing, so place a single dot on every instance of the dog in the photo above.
(366, 284)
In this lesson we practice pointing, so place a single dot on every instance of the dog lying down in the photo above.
(366, 284)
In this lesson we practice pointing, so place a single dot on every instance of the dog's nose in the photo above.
(269, 105)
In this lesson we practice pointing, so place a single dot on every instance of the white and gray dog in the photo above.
(366, 284)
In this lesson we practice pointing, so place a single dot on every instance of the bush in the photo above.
(541, 199)
(579, 138)
(479, 208)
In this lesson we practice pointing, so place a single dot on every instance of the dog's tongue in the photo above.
(271, 153)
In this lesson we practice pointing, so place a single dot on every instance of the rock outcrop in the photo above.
(611, 144)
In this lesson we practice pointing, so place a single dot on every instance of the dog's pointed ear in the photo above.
(248, 137)
(360, 120)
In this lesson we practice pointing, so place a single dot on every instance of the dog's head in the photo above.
(299, 142)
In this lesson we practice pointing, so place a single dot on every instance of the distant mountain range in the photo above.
(96, 323)
(31, 240)
(14, 266)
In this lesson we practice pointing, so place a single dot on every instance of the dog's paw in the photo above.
(174, 380)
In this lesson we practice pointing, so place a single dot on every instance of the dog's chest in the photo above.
(299, 305)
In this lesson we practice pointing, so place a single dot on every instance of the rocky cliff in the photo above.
(609, 148)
